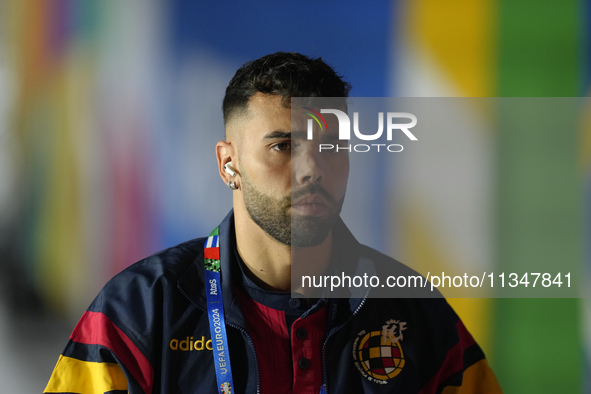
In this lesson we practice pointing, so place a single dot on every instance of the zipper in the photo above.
(233, 326)
(256, 362)
(330, 334)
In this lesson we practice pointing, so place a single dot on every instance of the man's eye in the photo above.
(282, 146)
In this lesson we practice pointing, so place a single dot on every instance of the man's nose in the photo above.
(307, 167)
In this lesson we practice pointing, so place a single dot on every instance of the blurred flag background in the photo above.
(109, 111)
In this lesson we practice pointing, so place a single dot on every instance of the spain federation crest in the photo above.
(378, 355)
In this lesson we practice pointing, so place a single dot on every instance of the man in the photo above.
(215, 314)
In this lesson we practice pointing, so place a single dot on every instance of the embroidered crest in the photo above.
(378, 355)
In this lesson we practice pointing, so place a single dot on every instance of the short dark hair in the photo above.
(288, 74)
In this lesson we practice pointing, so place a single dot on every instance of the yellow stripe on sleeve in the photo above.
(478, 378)
(75, 376)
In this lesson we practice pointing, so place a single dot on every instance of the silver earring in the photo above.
(232, 185)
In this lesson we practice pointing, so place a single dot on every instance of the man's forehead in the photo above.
(268, 102)
(267, 110)
(261, 108)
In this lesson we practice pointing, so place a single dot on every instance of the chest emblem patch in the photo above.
(378, 355)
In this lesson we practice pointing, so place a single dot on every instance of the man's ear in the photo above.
(227, 163)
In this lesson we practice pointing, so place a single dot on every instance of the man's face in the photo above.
(290, 189)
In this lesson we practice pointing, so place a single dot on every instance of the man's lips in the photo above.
(314, 205)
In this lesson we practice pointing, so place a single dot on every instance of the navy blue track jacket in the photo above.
(148, 332)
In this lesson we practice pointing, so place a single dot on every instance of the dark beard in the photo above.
(271, 215)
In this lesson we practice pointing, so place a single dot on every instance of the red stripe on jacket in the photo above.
(95, 328)
(454, 360)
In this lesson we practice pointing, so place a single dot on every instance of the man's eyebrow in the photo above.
(285, 134)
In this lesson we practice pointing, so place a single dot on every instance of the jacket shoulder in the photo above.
(397, 279)
(163, 268)
(452, 356)
(121, 330)
(384, 262)
(137, 298)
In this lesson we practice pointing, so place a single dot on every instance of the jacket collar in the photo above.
(192, 283)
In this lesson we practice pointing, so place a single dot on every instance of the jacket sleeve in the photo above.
(464, 370)
(100, 358)
(477, 378)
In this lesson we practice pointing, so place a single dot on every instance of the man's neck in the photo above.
(270, 262)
